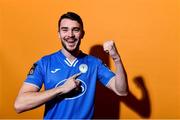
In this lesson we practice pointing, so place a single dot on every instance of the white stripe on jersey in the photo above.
(69, 63)
(75, 63)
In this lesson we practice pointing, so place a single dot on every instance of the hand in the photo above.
(71, 83)
(110, 48)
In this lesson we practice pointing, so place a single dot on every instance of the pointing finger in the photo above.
(76, 75)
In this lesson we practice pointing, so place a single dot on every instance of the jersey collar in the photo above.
(67, 61)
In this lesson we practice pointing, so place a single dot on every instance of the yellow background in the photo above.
(146, 33)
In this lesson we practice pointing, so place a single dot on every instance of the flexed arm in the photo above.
(118, 83)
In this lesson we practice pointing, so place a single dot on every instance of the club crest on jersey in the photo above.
(83, 68)
(76, 93)
(31, 71)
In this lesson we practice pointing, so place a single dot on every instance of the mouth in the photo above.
(71, 42)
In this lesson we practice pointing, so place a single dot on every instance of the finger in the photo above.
(76, 75)
(107, 51)
(108, 46)
(77, 82)
(105, 48)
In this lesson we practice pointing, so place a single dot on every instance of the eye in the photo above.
(76, 29)
(64, 29)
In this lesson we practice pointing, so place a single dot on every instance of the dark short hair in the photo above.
(71, 16)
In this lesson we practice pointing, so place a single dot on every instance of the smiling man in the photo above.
(69, 76)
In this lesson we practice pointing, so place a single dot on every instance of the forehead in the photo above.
(69, 23)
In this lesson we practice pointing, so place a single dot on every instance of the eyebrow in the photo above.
(73, 28)
(76, 28)
(64, 27)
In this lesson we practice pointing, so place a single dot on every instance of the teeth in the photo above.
(70, 41)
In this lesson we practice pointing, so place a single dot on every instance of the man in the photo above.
(69, 76)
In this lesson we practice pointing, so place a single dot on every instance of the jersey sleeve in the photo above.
(104, 73)
(35, 75)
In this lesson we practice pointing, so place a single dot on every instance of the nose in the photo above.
(70, 33)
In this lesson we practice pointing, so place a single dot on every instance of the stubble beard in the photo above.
(74, 51)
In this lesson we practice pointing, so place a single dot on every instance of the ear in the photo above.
(59, 35)
(83, 33)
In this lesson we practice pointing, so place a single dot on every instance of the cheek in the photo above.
(61, 34)
(78, 35)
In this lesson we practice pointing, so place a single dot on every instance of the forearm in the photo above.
(29, 96)
(29, 100)
(118, 83)
(121, 84)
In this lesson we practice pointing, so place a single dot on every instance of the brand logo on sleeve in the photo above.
(31, 71)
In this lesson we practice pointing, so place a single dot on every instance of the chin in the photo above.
(71, 50)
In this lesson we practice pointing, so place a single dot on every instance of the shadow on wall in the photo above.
(107, 103)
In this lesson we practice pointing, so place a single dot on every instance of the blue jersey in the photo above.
(53, 70)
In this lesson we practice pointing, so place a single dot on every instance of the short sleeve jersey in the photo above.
(53, 70)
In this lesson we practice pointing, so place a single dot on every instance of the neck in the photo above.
(69, 55)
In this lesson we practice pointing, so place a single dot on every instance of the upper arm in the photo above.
(104, 73)
(111, 84)
(35, 77)
(28, 88)
(20, 103)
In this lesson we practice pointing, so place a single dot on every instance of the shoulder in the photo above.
(92, 59)
(49, 56)
(44, 60)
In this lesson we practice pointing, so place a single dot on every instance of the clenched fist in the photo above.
(110, 48)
